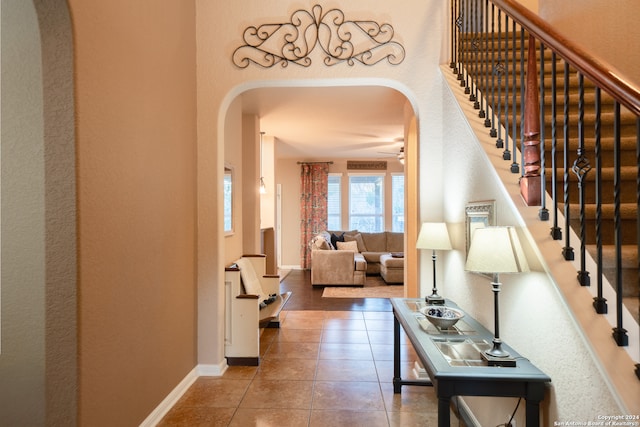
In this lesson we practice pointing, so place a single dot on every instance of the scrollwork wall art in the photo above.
(364, 42)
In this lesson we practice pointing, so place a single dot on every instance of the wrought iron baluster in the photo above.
(619, 333)
(514, 134)
(498, 70)
(463, 42)
(506, 154)
(474, 52)
(638, 210)
(556, 232)
(543, 213)
(460, 44)
(522, 92)
(484, 106)
(493, 133)
(567, 251)
(599, 302)
(581, 168)
(454, 40)
(467, 46)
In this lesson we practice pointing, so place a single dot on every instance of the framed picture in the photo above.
(478, 215)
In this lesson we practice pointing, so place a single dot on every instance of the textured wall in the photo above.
(22, 350)
(136, 133)
(600, 28)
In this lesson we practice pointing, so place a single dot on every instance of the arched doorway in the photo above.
(256, 104)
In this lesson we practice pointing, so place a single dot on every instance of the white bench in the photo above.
(246, 288)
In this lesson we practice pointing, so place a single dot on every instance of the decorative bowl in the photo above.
(441, 316)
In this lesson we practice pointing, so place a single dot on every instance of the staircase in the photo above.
(496, 90)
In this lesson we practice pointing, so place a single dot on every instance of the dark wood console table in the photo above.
(452, 361)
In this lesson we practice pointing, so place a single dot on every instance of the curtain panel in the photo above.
(314, 179)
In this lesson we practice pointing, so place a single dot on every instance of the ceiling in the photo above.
(356, 122)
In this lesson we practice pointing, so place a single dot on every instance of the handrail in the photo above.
(598, 71)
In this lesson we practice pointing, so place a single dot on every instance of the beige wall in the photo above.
(608, 30)
(233, 158)
(136, 134)
(22, 345)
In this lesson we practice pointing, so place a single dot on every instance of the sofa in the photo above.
(344, 258)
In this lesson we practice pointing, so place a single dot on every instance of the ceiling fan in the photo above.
(399, 154)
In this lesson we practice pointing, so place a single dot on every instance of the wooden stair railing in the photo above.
(578, 126)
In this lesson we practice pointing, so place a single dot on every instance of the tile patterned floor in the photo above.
(321, 368)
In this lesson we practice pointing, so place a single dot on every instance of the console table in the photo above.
(452, 360)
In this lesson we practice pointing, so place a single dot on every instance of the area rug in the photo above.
(374, 287)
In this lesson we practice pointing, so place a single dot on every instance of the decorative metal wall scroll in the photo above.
(366, 42)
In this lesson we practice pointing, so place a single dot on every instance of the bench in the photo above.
(253, 301)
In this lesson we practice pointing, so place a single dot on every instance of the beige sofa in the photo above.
(331, 267)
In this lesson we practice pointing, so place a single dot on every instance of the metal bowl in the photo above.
(441, 316)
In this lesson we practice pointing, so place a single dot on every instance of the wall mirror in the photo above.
(228, 200)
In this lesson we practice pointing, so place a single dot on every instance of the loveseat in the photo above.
(346, 257)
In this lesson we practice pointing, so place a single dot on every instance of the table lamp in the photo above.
(434, 236)
(496, 250)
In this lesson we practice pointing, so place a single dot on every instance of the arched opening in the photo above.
(363, 133)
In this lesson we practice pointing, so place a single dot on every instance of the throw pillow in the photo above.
(319, 242)
(357, 237)
(348, 246)
(249, 278)
(335, 238)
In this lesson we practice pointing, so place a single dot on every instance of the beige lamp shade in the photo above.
(434, 235)
(496, 250)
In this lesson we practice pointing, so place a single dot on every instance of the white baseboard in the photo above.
(172, 398)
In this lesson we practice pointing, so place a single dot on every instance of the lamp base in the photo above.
(434, 299)
(506, 361)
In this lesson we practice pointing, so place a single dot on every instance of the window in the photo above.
(366, 203)
(397, 203)
(228, 200)
(334, 207)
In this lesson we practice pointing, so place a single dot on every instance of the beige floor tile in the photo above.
(270, 417)
(215, 392)
(349, 418)
(344, 315)
(384, 369)
(404, 419)
(345, 336)
(385, 352)
(346, 370)
(240, 372)
(411, 399)
(341, 351)
(197, 417)
(278, 394)
(379, 325)
(294, 322)
(379, 315)
(291, 369)
(385, 337)
(352, 396)
(292, 350)
(304, 314)
(299, 335)
(350, 324)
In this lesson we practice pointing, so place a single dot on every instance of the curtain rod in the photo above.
(313, 163)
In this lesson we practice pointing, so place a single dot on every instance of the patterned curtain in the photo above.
(314, 185)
